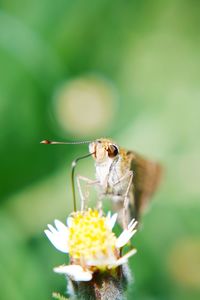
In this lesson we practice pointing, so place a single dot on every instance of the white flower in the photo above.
(90, 242)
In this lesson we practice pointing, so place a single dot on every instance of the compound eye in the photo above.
(112, 151)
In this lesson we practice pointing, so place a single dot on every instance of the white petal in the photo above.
(75, 272)
(124, 258)
(49, 234)
(131, 226)
(58, 239)
(111, 220)
(124, 237)
(69, 221)
(61, 227)
(108, 215)
(131, 223)
(127, 234)
(51, 228)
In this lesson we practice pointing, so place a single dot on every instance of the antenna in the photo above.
(48, 142)
(72, 176)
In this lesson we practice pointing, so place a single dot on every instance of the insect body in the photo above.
(124, 176)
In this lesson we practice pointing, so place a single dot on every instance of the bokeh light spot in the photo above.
(86, 105)
(184, 263)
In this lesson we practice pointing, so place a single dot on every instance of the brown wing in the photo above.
(146, 177)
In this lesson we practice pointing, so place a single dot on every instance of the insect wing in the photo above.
(146, 178)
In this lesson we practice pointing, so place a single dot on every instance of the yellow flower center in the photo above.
(90, 236)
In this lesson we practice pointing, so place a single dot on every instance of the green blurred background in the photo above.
(73, 70)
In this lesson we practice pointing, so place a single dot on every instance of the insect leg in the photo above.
(122, 205)
(82, 196)
(126, 200)
(83, 199)
(127, 175)
(74, 163)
